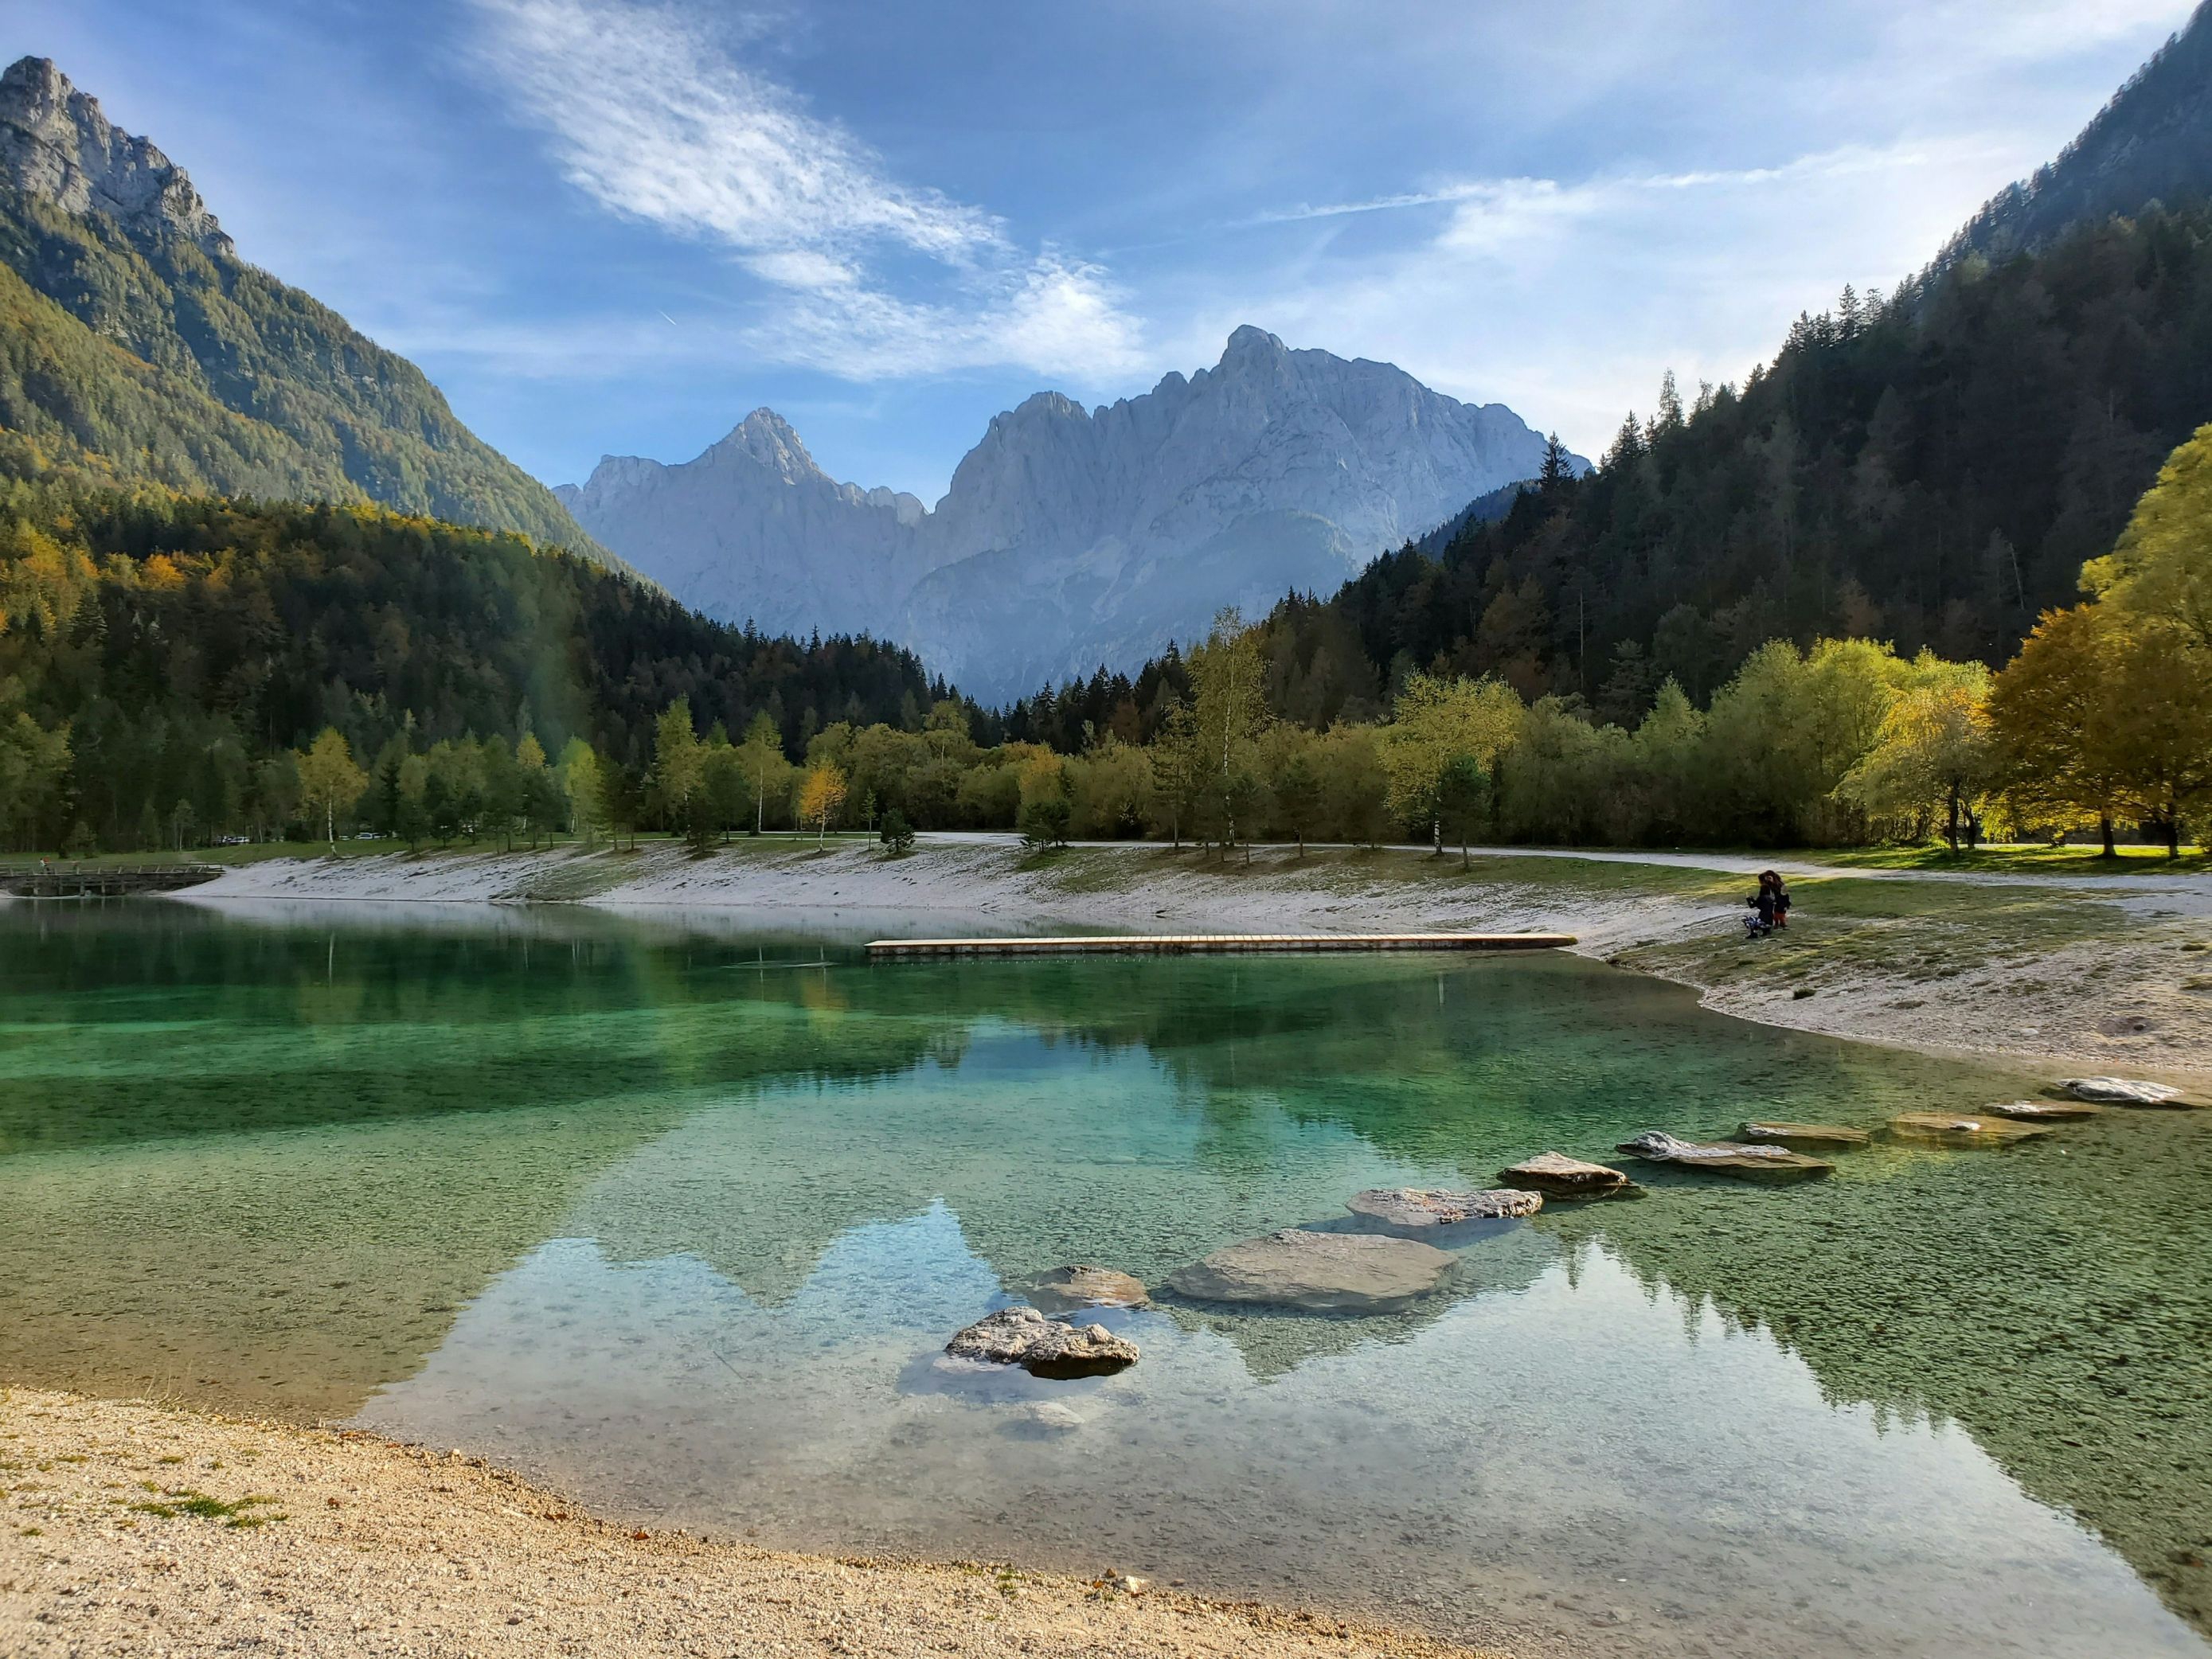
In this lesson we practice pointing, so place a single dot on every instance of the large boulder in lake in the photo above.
(2123, 1091)
(1737, 1159)
(1555, 1175)
(1799, 1136)
(1317, 1273)
(1963, 1129)
(1066, 1289)
(1042, 1347)
(1423, 1208)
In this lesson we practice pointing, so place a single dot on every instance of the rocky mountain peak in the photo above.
(767, 439)
(1247, 343)
(1070, 535)
(56, 144)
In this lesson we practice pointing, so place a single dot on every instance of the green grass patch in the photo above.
(251, 1510)
(2021, 859)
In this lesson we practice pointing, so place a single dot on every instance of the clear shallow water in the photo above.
(652, 1210)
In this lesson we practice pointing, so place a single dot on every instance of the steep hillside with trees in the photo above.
(2152, 143)
(131, 330)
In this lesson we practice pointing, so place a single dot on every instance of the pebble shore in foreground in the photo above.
(129, 1529)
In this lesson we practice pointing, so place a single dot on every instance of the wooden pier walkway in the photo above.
(1196, 944)
(101, 880)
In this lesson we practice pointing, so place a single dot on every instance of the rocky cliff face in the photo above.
(753, 531)
(56, 145)
(1071, 537)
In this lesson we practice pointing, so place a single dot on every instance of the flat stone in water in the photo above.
(1963, 1129)
(1555, 1175)
(2123, 1091)
(1419, 1206)
(1804, 1134)
(1044, 1347)
(1318, 1273)
(2057, 1111)
(1728, 1157)
(1065, 1289)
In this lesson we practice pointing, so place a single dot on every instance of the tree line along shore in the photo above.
(174, 671)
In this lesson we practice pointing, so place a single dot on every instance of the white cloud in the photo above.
(656, 121)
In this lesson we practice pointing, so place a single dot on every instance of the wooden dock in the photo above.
(1207, 944)
(101, 880)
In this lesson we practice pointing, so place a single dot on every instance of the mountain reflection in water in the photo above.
(681, 1213)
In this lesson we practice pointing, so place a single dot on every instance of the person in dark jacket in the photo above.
(1761, 922)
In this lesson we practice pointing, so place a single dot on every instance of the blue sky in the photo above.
(618, 225)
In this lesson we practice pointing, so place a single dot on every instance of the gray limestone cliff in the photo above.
(1073, 537)
(56, 144)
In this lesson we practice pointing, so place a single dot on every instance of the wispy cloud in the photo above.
(654, 116)
(1532, 194)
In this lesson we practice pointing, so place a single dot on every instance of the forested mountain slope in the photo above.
(2152, 143)
(131, 330)
(1931, 468)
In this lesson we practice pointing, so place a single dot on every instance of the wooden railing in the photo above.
(57, 879)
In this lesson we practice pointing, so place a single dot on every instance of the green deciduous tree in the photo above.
(1932, 754)
(1436, 721)
(330, 781)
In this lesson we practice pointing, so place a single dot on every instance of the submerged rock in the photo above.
(1044, 1347)
(1319, 1273)
(1557, 1176)
(2123, 1091)
(1954, 1129)
(2032, 1109)
(1064, 1288)
(1419, 1206)
(1042, 1420)
(1804, 1134)
(1728, 1157)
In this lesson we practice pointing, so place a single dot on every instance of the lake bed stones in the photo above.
(1044, 1347)
(1556, 1177)
(1316, 1272)
(1423, 1208)
(1798, 1136)
(1735, 1159)
(2034, 1110)
(1963, 1129)
(1066, 1289)
(2123, 1091)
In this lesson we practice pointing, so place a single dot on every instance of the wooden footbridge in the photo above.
(1207, 944)
(46, 881)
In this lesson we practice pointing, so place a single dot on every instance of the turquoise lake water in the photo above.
(677, 1214)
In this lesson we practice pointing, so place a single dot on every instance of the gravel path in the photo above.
(131, 1529)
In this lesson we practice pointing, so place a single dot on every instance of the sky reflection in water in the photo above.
(626, 1204)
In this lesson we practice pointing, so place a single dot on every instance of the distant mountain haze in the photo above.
(1070, 537)
(135, 341)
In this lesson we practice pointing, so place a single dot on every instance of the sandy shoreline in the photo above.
(2058, 975)
(120, 1536)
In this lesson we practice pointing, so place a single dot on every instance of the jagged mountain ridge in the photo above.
(133, 340)
(1071, 537)
(2152, 142)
